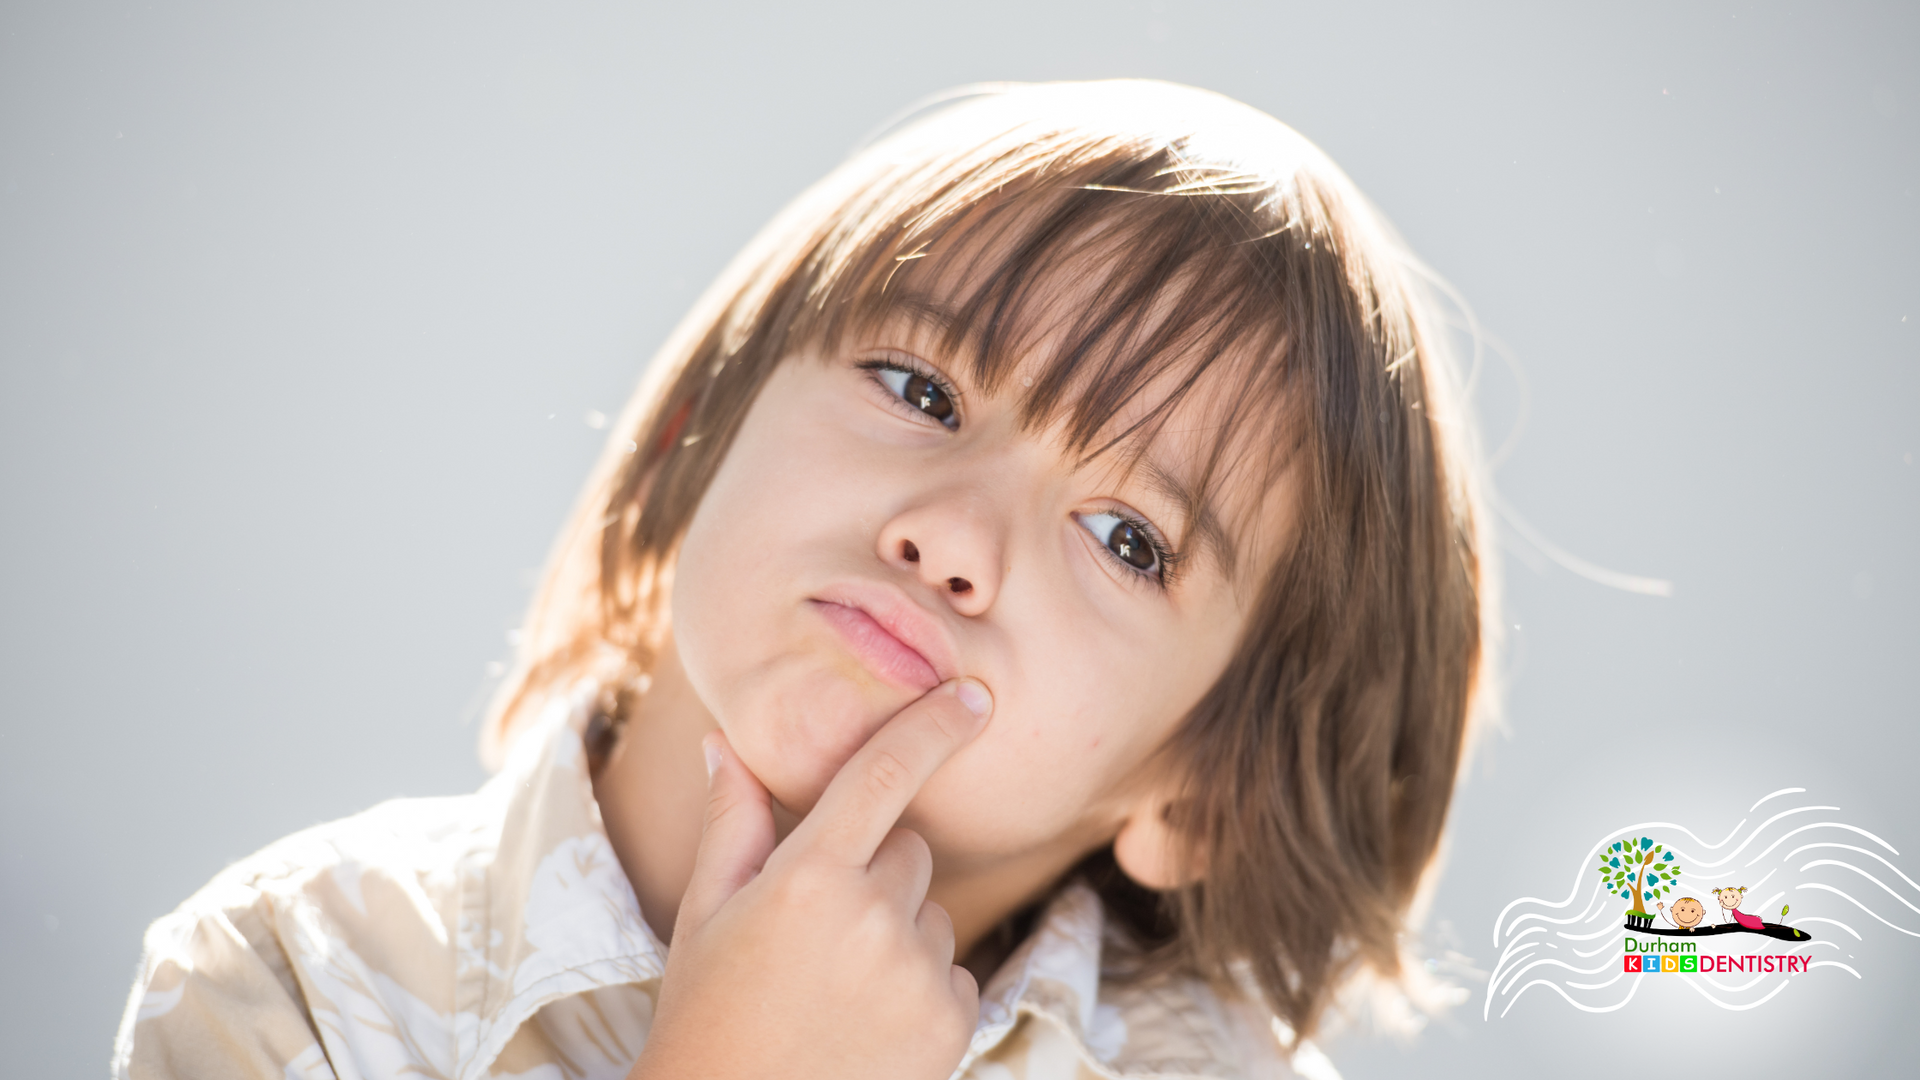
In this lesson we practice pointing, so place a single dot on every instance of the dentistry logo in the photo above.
(1691, 912)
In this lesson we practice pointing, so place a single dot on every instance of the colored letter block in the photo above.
(1633, 963)
(1669, 963)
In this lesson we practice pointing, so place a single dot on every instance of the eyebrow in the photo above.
(922, 310)
(1204, 529)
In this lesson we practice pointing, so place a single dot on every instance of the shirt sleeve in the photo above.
(216, 998)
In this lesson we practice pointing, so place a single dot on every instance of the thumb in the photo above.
(735, 840)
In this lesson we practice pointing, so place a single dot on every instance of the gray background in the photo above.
(302, 306)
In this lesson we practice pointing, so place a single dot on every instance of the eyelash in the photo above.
(1165, 558)
(908, 366)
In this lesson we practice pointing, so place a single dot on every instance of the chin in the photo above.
(796, 738)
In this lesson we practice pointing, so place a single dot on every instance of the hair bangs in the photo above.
(1132, 295)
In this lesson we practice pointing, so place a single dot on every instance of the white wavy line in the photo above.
(1735, 1008)
(1722, 843)
(1556, 963)
(1555, 987)
(1516, 944)
(1811, 944)
(1834, 963)
(1836, 922)
(1731, 855)
(1512, 948)
(1519, 971)
(1775, 795)
(1584, 916)
(1617, 976)
(1596, 952)
(1593, 851)
(1864, 874)
(1861, 850)
(1821, 825)
(1856, 903)
(1504, 966)
(1602, 932)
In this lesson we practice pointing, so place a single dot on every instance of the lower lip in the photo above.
(886, 655)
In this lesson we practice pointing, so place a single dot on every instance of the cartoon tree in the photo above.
(1638, 871)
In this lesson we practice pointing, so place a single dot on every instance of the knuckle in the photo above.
(949, 719)
(911, 845)
(886, 774)
(935, 914)
(801, 888)
(943, 717)
(936, 932)
(721, 808)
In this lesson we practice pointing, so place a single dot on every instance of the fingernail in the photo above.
(974, 696)
(713, 757)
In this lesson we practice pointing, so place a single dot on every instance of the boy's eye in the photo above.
(920, 392)
(1128, 542)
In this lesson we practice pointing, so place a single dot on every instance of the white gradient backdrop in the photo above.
(302, 306)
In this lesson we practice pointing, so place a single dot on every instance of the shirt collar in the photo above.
(548, 912)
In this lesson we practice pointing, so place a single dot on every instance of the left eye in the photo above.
(1127, 541)
(922, 393)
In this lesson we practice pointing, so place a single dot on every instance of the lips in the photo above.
(893, 637)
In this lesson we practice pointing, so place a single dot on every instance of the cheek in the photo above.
(1062, 757)
(769, 501)
(781, 515)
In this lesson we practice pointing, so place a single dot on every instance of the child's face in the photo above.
(854, 550)
(1688, 912)
(1729, 898)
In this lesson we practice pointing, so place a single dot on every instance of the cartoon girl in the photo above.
(1730, 899)
(1038, 573)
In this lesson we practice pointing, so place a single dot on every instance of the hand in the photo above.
(821, 957)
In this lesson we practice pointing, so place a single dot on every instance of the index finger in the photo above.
(870, 792)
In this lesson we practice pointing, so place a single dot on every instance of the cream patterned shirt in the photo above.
(494, 935)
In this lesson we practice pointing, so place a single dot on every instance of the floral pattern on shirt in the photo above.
(495, 935)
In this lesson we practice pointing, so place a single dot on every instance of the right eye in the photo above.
(920, 391)
(1127, 541)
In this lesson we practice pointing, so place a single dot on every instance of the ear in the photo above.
(1152, 850)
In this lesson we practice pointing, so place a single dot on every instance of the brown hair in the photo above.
(1222, 246)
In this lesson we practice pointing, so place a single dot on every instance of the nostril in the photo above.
(959, 585)
(909, 552)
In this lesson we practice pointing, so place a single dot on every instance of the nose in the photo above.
(952, 546)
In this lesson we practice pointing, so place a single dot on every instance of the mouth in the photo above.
(896, 641)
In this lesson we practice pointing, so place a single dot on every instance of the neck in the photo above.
(653, 792)
(653, 795)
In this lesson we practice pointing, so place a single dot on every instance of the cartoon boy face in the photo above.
(1687, 912)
